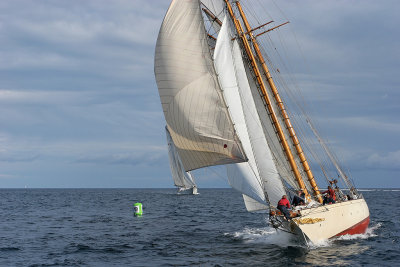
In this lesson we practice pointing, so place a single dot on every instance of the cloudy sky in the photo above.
(79, 106)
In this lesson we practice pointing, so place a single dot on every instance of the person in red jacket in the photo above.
(283, 206)
(330, 197)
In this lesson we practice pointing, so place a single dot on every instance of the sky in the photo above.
(79, 105)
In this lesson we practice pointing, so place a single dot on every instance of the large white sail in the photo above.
(261, 167)
(182, 179)
(191, 98)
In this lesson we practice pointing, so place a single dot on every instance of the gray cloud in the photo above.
(135, 158)
(7, 157)
(388, 161)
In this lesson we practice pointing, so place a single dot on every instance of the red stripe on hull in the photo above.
(359, 228)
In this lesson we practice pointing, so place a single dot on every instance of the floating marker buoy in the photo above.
(138, 209)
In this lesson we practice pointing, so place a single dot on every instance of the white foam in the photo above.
(391, 190)
(320, 244)
(268, 235)
(369, 233)
(367, 190)
(378, 189)
(326, 243)
(265, 235)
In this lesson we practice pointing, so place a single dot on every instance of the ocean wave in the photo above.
(378, 190)
(9, 249)
(391, 190)
(367, 190)
(320, 244)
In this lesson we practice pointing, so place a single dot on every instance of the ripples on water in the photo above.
(96, 227)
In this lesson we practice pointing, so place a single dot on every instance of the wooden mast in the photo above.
(282, 109)
(263, 89)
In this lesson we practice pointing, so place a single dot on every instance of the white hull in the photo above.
(188, 191)
(350, 217)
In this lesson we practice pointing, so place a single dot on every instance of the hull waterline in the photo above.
(359, 228)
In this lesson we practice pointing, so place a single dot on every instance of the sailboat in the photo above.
(183, 180)
(222, 107)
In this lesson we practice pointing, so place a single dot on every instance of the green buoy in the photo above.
(138, 209)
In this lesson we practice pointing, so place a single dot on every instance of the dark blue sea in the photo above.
(96, 227)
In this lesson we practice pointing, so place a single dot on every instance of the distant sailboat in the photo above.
(222, 107)
(183, 180)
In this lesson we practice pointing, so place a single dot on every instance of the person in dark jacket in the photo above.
(299, 199)
(283, 206)
(330, 196)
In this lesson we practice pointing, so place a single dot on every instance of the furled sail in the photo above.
(182, 179)
(191, 97)
(260, 170)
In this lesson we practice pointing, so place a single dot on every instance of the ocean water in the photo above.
(96, 227)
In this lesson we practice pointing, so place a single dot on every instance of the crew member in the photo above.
(299, 199)
(283, 206)
(330, 197)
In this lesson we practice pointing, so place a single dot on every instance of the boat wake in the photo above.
(268, 235)
(369, 233)
(265, 235)
(326, 243)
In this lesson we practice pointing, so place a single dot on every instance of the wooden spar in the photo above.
(256, 28)
(252, 30)
(212, 37)
(285, 116)
(212, 16)
(272, 28)
(270, 110)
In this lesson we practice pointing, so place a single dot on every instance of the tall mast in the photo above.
(263, 89)
(279, 102)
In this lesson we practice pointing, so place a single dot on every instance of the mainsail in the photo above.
(191, 98)
(182, 179)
